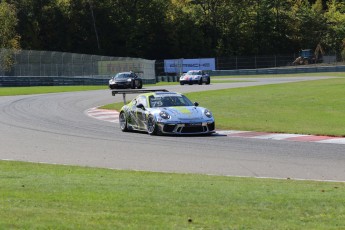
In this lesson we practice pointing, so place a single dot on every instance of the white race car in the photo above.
(195, 77)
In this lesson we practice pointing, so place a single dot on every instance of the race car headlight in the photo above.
(129, 79)
(164, 115)
(208, 113)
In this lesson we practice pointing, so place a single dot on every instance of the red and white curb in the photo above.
(282, 136)
(103, 114)
(113, 116)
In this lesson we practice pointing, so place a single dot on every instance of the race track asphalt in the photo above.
(54, 128)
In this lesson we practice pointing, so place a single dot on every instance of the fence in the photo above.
(72, 68)
(60, 64)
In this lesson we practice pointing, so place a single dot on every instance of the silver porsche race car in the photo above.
(166, 113)
(195, 77)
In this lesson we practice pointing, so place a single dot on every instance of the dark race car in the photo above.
(125, 80)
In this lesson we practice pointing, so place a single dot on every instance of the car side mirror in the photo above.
(141, 106)
(196, 104)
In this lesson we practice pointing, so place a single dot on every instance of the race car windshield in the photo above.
(122, 76)
(169, 101)
(194, 73)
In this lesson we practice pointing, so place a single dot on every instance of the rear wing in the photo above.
(124, 92)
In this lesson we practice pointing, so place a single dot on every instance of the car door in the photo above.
(204, 77)
(132, 113)
(141, 112)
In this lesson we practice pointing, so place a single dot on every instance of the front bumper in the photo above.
(187, 128)
(189, 81)
(120, 85)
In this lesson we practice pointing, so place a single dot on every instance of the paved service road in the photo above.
(54, 128)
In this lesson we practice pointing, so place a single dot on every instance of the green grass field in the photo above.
(315, 107)
(330, 74)
(38, 196)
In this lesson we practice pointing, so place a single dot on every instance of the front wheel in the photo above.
(208, 81)
(132, 84)
(152, 127)
(123, 122)
(139, 85)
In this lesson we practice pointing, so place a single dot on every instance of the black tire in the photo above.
(200, 81)
(152, 127)
(123, 122)
(181, 83)
(132, 84)
(140, 85)
(208, 81)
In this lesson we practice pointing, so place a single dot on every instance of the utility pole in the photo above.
(94, 25)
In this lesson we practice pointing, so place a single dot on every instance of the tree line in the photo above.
(160, 29)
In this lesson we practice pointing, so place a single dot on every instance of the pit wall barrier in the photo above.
(291, 70)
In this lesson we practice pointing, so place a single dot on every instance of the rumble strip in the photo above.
(113, 116)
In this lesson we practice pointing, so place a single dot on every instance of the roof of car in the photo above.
(161, 94)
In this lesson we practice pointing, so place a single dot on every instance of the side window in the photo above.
(155, 102)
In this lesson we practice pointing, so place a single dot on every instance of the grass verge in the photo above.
(38, 196)
(12, 91)
(322, 74)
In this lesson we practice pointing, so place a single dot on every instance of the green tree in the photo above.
(235, 28)
(158, 29)
(185, 36)
(145, 23)
(41, 24)
(269, 26)
(335, 16)
(308, 24)
(207, 16)
(9, 39)
(80, 27)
